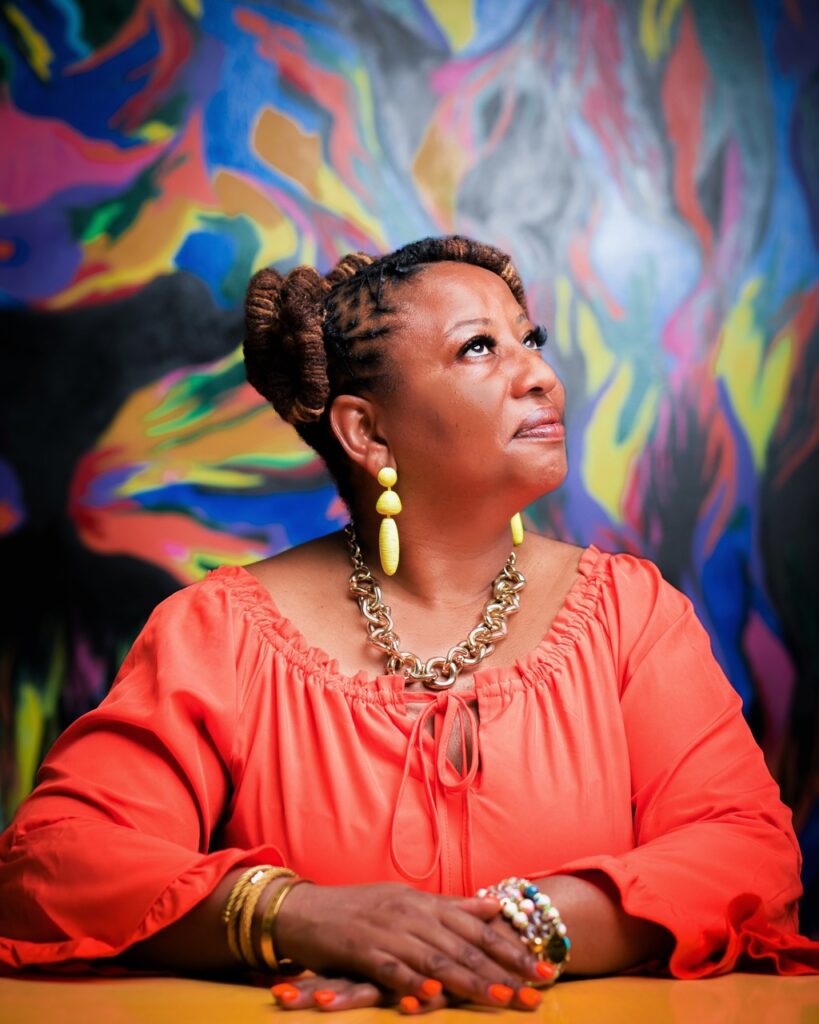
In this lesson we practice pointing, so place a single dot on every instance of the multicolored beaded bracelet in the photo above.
(530, 911)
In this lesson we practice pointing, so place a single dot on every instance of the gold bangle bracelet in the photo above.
(244, 923)
(234, 902)
(233, 895)
(267, 946)
(244, 919)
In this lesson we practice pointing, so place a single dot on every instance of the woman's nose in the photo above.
(532, 373)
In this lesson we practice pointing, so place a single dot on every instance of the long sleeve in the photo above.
(114, 843)
(716, 860)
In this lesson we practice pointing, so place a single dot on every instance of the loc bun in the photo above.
(348, 266)
(284, 345)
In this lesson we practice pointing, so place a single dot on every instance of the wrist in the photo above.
(530, 912)
(277, 922)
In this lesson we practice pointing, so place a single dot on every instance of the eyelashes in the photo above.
(538, 335)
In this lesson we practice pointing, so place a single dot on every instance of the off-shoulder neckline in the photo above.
(564, 631)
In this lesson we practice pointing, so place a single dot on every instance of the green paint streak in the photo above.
(100, 220)
(116, 216)
(204, 390)
(194, 435)
(264, 460)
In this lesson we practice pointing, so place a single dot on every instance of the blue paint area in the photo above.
(209, 255)
(248, 514)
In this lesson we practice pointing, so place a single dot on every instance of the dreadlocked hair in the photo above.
(310, 337)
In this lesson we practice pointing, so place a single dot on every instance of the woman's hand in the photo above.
(400, 938)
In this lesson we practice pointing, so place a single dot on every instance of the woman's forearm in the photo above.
(605, 939)
(196, 942)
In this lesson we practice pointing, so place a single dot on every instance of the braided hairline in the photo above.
(358, 283)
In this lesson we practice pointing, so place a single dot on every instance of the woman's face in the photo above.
(475, 410)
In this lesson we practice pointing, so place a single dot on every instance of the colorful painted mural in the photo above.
(653, 166)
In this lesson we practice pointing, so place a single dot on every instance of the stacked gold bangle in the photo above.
(237, 917)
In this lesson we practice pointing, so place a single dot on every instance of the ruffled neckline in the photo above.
(566, 628)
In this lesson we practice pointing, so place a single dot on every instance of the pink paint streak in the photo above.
(47, 156)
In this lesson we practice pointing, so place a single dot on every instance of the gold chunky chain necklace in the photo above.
(436, 673)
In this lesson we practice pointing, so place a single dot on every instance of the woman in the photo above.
(585, 741)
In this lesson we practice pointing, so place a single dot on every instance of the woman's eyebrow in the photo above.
(476, 320)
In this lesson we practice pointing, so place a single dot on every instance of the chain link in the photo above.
(437, 673)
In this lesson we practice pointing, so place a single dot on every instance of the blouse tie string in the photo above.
(456, 713)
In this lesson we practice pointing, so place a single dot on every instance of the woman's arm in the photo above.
(715, 860)
(605, 939)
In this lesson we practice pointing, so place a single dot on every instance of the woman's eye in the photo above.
(536, 338)
(478, 346)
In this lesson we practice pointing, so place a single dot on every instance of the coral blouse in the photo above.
(616, 745)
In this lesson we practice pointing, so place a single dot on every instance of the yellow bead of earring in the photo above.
(388, 505)
(516, 523)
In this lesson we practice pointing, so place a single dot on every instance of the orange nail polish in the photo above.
(324, 996)
(285, 992)
(529, 996)
(409, 1004)
(431, 987)
(545, 969)
(501, 993)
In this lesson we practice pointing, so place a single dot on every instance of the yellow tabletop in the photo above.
(745, 998)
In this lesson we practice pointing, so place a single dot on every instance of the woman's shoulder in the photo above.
(301, 568)
(626, 589)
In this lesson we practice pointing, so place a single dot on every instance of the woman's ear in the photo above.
(354, 422)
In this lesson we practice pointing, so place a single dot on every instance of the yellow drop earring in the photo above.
(516, 523)
(388, 505)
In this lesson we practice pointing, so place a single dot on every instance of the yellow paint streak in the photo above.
(599, 358)
(298, 156)
(656, 21)
(563, 310)
(366, 111)
(155, 131)
(456, 19)
(35, 707)
(607, 461)
(335, 195)
(193, 7)
(28, 727)
(438, 168)
(756, 382)
(40, 54)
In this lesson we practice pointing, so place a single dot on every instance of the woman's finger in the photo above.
(321, 993)
(354, 995)
(461, 969)
(496, 940)
(413, 1005)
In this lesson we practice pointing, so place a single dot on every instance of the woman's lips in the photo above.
(543, 424)
(546, 431)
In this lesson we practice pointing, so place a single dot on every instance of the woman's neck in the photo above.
(449, 566)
